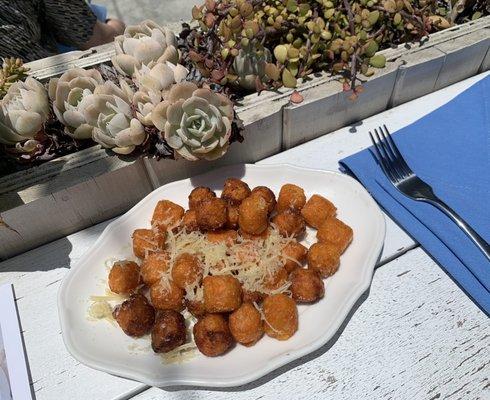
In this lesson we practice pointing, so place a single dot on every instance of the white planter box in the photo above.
(77, 190)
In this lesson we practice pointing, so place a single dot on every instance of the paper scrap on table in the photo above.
(14, 380)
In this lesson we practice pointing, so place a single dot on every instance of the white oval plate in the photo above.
(105, 347)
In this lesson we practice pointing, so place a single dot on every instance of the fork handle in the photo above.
(468, 230)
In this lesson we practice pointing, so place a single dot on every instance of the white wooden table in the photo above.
(414, 335)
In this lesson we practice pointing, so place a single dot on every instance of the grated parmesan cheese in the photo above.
(250, 261)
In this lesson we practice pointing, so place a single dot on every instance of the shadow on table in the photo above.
(44, 258)
(293, 364)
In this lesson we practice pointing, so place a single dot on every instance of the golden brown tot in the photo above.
(306, 285)
(135, 316)
(267, 195)
(146, 241)
(212, 335)
(167, 215)
(316, 210)
(235, 191)
(222, 293)
(252, 215)
(124, 277)
(336, 232)
(186, 270)
(281, 316)
(212, 214)
(294, 254)
(291, 197)
(189, 221)
(324, 258)
(289, 223)
(154, 266)
(198, 195)
(167, 297)
(246, 324)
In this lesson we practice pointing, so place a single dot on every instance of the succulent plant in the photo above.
(197, 122)
(111, 116)
(158, 77)
(13, 70)
(142, 44)
(304, 36)
(72, 94)
(23, 111)
(249, 65)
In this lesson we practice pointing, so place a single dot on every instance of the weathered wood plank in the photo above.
(417, 75)
(72, 207)
(464, 56)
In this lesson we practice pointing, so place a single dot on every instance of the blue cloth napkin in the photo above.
(450, 150)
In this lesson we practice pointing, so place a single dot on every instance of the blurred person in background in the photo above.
(33, 29)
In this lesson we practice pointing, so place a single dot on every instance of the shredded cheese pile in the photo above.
(252, 262)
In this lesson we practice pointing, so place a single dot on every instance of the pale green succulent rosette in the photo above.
(142, 44)
(196, 122)
(111, 116)
(23, 111)
(71, 95)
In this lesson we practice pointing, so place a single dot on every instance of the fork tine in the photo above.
(396, 164)
(406, 169)
(386, 156)
(381, 159)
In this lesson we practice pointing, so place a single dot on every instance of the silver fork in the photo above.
(404, 179)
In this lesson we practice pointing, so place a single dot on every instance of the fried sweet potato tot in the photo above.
(222, 293)
(324, 258)
(335, 231)
(267, 195)
(228, 237)
(246, 324)
(306, 285)
(289, 223)
(147, 241)
(211, 214)
(124, 277)
(163, 298)
(235, 191)
(291, 197)
(189, 221)
(167, 215)
(186, 270)
(198, 195)
(231, 217)
(276, 280)
(135, 316)
(317, 209)
(196, 308)
(154, 266)
(168, 332)
(294, 254)
(281, 316)
(212, 335)
(252, 215)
